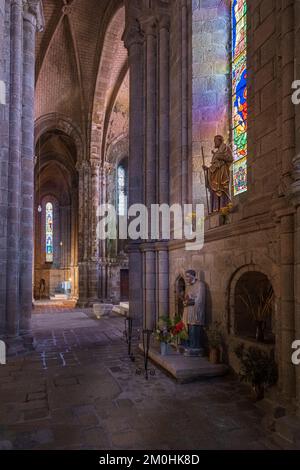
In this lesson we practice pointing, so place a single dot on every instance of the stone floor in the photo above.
(79, 390)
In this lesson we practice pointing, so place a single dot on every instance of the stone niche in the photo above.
(179, 295)
(256, 286)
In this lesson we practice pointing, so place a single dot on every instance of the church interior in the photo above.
(149, 341)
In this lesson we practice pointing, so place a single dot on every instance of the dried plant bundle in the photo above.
(259, 306)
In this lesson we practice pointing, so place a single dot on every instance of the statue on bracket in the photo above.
(194, 315)
(218, 175)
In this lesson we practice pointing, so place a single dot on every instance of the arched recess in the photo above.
(259, 273)
(56, 121)
(56, 181)
(179, 292)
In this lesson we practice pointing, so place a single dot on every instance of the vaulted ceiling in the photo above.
(79, 55)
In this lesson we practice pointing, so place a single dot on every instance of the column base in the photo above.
(19, 345)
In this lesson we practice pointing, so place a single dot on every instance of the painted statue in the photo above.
(218, 175)
(194, 313)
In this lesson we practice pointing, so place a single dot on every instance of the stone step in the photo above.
(186, 369)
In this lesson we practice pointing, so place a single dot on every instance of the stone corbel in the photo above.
(35, 8)
(132, 35)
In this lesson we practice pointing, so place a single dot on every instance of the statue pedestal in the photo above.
(186, 369)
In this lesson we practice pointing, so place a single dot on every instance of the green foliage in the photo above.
(257, 366)
(170, 329)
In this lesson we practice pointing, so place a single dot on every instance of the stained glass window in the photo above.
(239, 95)
(121, 190)
(49, 232)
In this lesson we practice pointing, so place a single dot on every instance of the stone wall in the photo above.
(211, 84)
(258, 234)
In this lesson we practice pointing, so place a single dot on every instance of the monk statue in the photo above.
(194, 313)
(218, 175)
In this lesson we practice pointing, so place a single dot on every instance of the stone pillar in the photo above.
(83, 231)
(296, 196)
(4, 157)
(133, 40)
(94, 242)
(27, 166)
(149, 26)
(74, 241)
(14, 182)
(287, 222)
(163, 162)
(287, 303)
(184, 101)
(102, 243)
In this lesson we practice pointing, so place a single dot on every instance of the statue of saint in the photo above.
(218, 175)
(194, 312)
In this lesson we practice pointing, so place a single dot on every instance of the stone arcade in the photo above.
(104, 100)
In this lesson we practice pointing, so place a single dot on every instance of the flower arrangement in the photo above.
(170, 329)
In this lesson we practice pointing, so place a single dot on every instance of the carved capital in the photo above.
(34, 8)
(164, 22)
(107, 168)
(83, 166)
(132, 35)
(148, 23)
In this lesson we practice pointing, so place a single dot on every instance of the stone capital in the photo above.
(132, 35)
(164, 22)
(34, 8)
(84, 165)
(148, 23)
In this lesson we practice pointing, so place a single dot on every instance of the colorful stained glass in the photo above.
(239, 93)
(240, 176)
(49, 232)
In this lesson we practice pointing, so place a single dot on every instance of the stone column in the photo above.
(184, 101)
(4, 156)
(94, 242)
(102, 243)
(30, 26)
(133, 40)
(149, 26)
(162, 262)
(296, 196)
(83, 232)
(74, 241)
(287, 302)
(287, 222)
(14, 182)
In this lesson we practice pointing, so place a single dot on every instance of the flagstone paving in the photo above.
(79, 390)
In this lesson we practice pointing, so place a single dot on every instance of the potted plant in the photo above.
(163, 336)
(215, 340)
(258, 368)
(260, 308)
